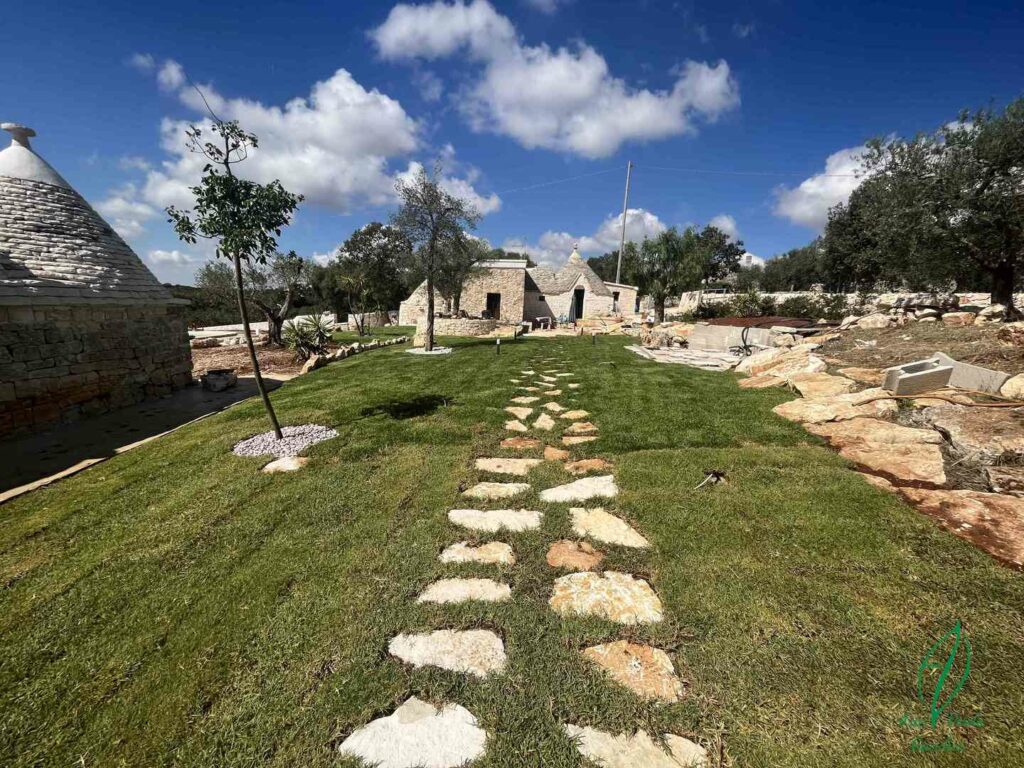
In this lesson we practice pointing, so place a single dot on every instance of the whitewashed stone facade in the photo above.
(84, 325)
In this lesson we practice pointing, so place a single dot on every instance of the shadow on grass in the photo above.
(407, 409)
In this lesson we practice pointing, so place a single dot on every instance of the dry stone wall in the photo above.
(62, 363)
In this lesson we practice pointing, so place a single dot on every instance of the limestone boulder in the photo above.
(1006, 479)
(987, 435)
(285, 464)
(913, 464)
(864, 430)
(873, 377)
(993, 313)
(1011, 333)
(992, 521)
(838, 407)
(820, 384)
(764, 381)
(1013, 387)
(958, 318)
(876, 321)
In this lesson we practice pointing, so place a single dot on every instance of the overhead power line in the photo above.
(557, 181)
(747, 173)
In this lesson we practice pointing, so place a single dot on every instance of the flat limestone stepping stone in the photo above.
(544, 422)
(636, 751)
(519, 411)
(521, 443)
(553, 407)
(525, 399)
(419, 735)
(555, 454)
(581, 490)
(583, 466)
(464, 590)
(516, 426)
(551, 379)
(515, 381)
(520, 467)
(577, 439)
(646, 671)
(552, 393)
(562, 375)
(488, 490)
(491, 553)
(476, 652)
(573, 556)
(528, 373)
(285, 464)
(574, 415)
(580, 428)
(605, 527)
(494, 520)
(529, 389)
(574, 386)
(613, 596)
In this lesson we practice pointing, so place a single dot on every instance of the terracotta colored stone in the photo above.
(521, 443)
(915, 464)
(958, 318)
(614, 596)
(583, 466)
(580, 428)
(992, 521)
(838, 407)
(764, 381)
(574, 415)
(646, 671)
(864, 430)
(879, 482)
(555, 454)
(573, 556)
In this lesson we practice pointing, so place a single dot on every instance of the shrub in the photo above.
(828, 306)
(752, 304)
(309, 335)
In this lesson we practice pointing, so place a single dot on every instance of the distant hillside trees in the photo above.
(939, 210)
(369, 269)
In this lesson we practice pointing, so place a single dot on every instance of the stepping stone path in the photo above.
(613, 596)
(494, 520)
(544, 422)
(488, 490)
(583, 466)
(573, 556)
(418, 734)
(521, 443)
(637, 751)
(491, 553)
(520, 467)
(646, 671)
(446, 735)
(463, 590)
(577, 439)
(476, 652)
(606, 528)
(555, 454)
(581, 490)
(285, 464)
(574, 415)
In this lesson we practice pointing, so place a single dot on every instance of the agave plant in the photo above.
(308, 336)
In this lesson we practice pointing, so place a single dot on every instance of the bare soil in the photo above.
(975, 344)
(273, 360)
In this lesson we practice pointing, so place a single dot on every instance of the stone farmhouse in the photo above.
(510, 292)
(84, 325)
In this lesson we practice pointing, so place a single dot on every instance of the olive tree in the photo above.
(242, 217)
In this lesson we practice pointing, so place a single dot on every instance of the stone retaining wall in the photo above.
(457, 326)
(62, 363)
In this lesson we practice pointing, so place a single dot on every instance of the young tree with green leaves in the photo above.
(369, 269)
(433, 221)
(243, 217)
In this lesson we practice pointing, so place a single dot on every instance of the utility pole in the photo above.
(625, 207)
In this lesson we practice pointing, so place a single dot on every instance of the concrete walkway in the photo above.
(37, 459)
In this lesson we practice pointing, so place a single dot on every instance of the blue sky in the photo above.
(759, 97)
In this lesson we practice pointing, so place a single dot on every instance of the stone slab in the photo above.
(605, 527)
(494, 520)
(582, 490)
(491, 553)
(545, 422)
(578, 439)
(285, 464)
(614, 596)
(464, 590)
(636, 751)
(583, 466)
(518, 467)
(521, 443)
(476, 652)
(516, 426)
(555, 454)
(488, 490)
(520, 412)
(646, 671)
(573, 555)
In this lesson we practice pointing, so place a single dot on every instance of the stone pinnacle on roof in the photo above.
(19, 161)
(575, 255)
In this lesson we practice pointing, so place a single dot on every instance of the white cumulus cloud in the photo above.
(564, 99)
(341, 146)
(125, 212)
(158, 256)
(727, 224)
(553, 248)
(808, 203)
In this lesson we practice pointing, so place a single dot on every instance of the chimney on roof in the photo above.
(20, 134)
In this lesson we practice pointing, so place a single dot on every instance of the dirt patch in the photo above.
(273, 360)
(975, 344)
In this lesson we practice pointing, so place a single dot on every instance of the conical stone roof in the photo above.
(569, 276)
(54, 248)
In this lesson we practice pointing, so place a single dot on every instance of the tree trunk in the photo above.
(456, 301)
(1002, 288)
(243, 310)
(274, 325)
(659, 309)
(428, 342)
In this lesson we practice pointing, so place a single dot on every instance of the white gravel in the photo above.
(295, 441)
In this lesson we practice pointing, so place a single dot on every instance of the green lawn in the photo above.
(175, 607)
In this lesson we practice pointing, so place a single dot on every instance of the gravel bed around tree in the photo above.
(295, 441)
